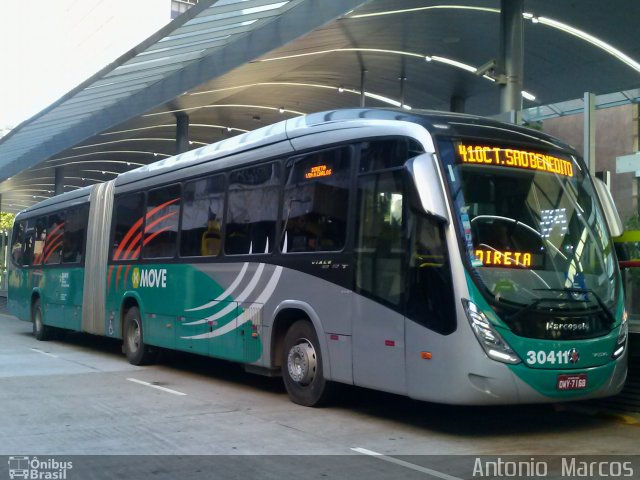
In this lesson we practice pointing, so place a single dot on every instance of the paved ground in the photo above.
(79, 396)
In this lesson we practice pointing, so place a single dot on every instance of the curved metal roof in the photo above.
(233, 66)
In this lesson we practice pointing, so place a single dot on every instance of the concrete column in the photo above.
(511, 55)
(456, 104)
(182, 132)
(589, 129)
(58, 183)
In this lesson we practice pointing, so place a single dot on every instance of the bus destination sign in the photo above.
(515, 158)
(318, 171)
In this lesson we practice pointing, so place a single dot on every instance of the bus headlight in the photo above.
(621, 342)
(493, 344)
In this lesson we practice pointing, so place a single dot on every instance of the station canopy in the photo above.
(232, 66)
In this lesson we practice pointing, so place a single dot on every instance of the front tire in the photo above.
(302, 366)
(133, 339)
(41, 331)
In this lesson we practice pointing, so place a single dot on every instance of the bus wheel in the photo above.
(40, 330)
(302, 366)
(134, 348)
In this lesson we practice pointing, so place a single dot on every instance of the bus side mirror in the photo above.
(610, 211)
(429, 184)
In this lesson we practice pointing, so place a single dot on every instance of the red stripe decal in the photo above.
(390, 343)
(154, 235)
(118, 276)
(51, 250)
(109, 279)
(126, 276)
(127, 237)
(129, 254)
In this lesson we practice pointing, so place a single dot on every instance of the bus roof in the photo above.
(63, 200)
(437, 123)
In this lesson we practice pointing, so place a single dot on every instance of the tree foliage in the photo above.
(6, 221)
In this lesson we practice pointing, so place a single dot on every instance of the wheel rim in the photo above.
(302, 362)
(133, 336)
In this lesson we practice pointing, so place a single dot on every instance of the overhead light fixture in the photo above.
(528, 96)
(281, 110)
(340, 89)
(428, 58)
(156, 139)
(527, 16)
(610, 49)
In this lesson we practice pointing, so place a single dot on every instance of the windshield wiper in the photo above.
(582, 291)
(538, 301)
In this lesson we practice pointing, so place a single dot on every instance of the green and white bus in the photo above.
(446, 257)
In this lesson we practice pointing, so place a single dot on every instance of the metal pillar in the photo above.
(363, 74)
(402, 79)
(511, 55)
(589, 127)
(58, 183)
(182, 132)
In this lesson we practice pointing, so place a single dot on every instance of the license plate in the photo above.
(572, 382)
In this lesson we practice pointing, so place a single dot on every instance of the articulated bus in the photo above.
(445, 257)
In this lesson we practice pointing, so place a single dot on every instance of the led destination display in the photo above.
(494, 258)
(515, 158)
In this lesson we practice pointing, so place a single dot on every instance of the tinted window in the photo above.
(34, 241)
(316, 197)
(253, 209)
(383, 154)
(17, 242)
(128, 227)
(202, 217)
(161, 228)
(380, 250)
(430, 294)
(53, 243)
(75, 230)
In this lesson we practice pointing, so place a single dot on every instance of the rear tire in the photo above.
(302, 366)
(41, 331)
(133, 339)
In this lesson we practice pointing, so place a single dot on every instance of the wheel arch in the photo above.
(130, 299)
(285, 315)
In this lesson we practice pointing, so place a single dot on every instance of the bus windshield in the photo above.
(531, 226)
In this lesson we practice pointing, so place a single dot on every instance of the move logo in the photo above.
(149, 277)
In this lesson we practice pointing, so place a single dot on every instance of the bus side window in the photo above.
(252, 209)
(17, 242)
(430, 293)
(315, 199)
(128, 223)
(34, 241)
(161, 226)
(52, 252)
(379, 250)
(74, 234)
(203, 206)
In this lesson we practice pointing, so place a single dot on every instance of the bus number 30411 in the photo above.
(559, 357)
